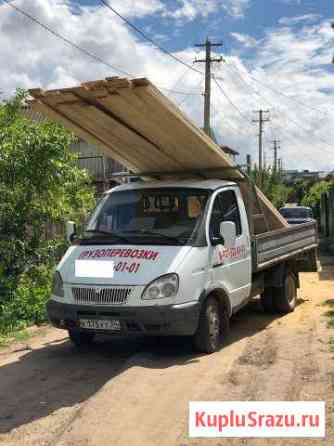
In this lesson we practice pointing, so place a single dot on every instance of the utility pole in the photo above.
(248, 164)
(262, 119)
(280, 166)
(207, 95)
(276, 148)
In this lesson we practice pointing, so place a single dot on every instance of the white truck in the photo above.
(175, 258)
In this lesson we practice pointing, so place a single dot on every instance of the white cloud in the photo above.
(134, 8)
(306, 18)
(246, 40)
(296, 63)
(287, 59)
(236, 8)
(191, 9)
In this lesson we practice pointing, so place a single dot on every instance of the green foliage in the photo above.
(40, 185)
(271, 185)
(25, 304)
(299, 190)
(313, 196)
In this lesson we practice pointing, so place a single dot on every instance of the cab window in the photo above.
(225, 208)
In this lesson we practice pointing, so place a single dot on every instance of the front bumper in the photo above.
(181, 320)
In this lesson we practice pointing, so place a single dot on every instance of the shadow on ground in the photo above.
(326, 271)
(55, 376)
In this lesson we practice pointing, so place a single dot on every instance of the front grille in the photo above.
(100, 296)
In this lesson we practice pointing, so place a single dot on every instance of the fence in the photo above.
(327, 214)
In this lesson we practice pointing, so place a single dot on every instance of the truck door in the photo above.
(230, 267)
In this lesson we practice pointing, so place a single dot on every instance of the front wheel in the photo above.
(81, 338)
(212, 324)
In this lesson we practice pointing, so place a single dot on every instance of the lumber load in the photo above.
(135, 124)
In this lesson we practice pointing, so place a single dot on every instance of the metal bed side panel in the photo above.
(279, 245)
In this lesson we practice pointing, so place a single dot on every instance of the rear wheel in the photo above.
(213, 323)
(81, 338)
(267, 300)
(285, 297)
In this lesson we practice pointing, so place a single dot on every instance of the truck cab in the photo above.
(157, 258)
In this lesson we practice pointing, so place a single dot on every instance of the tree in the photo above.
(272, 186)
(313, 196)
(40, 184)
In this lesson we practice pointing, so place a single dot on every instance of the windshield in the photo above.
(154, 216)
(296, 212)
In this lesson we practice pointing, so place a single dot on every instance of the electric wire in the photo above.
(230, 101)
(148, 38)
(66, 40)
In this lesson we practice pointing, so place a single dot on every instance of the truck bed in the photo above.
(273, 247)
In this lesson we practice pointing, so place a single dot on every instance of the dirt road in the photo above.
(136, 392)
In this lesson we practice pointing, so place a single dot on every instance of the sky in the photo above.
(277, 56)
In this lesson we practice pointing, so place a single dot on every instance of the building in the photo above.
(291, 176)
(232, 154)
(98, 165)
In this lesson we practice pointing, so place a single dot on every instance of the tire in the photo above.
(285, 297)
(81, 338)
(267, 300)
(213, 323)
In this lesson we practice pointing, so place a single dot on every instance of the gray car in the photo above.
(295, 215)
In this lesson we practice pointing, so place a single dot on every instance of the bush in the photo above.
(24, 303)
(40, 185)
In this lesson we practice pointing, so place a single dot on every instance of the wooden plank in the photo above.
(137, 125)
(132, 146)
(105, 103)
(190, 146)
(84, 134)
(129, 108)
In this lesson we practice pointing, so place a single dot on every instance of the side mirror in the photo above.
(228, 232)
(71, 231)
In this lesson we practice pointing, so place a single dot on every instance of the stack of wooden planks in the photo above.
(134, 123)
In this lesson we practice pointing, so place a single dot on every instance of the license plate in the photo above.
(97, 324)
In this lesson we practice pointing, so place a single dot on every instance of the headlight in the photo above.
(58, 285)
(164, 286)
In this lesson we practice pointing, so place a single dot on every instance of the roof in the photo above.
(230, 151)
(211, 184)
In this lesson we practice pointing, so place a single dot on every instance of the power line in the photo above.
(301, 103)
(230, 100)
(186, 98)
(83, 50)
(66, 40)
(148, 38)
(238, 72)
(183, 75)
(284, 111)
(184, 93)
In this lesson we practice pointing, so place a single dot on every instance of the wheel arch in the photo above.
(275, 277)
(221, 296)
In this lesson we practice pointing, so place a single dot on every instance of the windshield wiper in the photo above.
(106, 233)
(155, 234)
